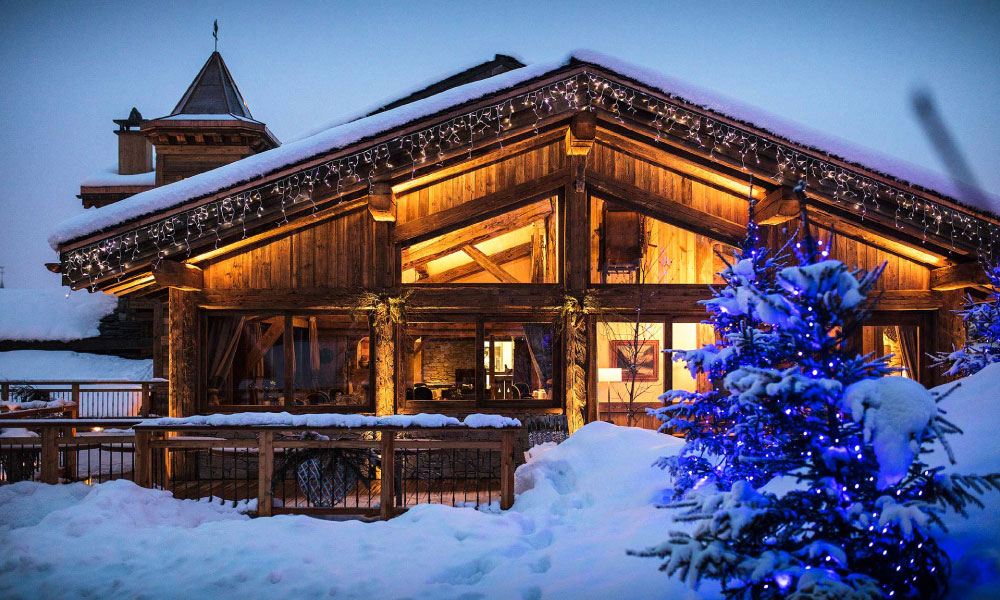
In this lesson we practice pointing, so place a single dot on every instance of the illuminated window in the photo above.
(629, 247)
(519, 246)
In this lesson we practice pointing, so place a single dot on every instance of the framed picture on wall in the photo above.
(646, 354)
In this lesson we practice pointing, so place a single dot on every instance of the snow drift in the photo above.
(580, 505)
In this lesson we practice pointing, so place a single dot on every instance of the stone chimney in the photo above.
(135, 153)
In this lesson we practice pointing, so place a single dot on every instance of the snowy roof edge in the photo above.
(344, 135)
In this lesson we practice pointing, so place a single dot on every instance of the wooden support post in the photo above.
(143, 459)
(576, 371)
(183, 349)
(576, 245)
(5, 392)
(388, 468)
(144, 403)
(75, 396)
(592, 399)
(50, 455)
(506, 468)
(289, 347)
(384, 361)
(265, 473)
(949, 329)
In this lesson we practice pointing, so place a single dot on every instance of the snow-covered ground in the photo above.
(580, 506)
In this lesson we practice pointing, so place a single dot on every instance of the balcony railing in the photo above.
(93, 399)
(367, 471)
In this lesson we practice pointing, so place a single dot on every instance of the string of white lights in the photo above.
(178, 234)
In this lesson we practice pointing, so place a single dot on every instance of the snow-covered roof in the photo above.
(346, 134)
(110, 177)
(63, 365)
(52, 314)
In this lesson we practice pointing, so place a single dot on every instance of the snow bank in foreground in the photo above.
(335, 420)
(63, 365)
(974, 543)
(580, 505)
(52, 314)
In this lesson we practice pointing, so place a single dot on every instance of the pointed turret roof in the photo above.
(213, 92)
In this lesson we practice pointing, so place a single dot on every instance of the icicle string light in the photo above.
(176, 235)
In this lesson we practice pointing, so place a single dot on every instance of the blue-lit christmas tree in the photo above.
(724, 441)
(852, 507)
(982, 331)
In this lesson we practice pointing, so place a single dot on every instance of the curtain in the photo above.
(909, 354)
(223, 335)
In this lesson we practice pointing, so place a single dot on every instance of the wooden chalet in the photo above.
(488, 247)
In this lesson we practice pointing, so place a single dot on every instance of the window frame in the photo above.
(480, 402)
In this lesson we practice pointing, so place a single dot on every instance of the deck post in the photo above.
(265, 473)
(75, 395)
(143, 459)
(388, 447)
(144, 403)
(5, 391)
(506, 468)
(50, 455)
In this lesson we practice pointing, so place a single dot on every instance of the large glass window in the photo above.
(520, 246)
(246, 360)
(332, 361)
(629, 247)
(518, 360)
(479, 361)
(439, 361)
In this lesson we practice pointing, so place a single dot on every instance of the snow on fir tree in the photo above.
(723, 437)
(847, 438)
(982, 332)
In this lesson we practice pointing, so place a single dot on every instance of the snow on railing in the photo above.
(91, 399)
(278, 462)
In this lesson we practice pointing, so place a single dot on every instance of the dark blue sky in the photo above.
(67, 69)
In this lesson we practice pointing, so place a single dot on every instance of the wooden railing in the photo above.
(94, 399)
(375, 471)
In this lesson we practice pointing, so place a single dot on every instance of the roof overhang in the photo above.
(421, 145)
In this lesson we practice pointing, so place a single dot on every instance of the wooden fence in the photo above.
(105, 399)
(376, 471)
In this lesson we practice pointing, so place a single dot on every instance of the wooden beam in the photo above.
(779, 206)
(923, 254)
(581, 133)
(576, 228)
(958, 277)
(667, 210)
(266, 341)
(471, 268)
(173, 274)
(909, 300)
(491, 267)
(183, 352)
(424, 252)
(483, 207)
(380, 202)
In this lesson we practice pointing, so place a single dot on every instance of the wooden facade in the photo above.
(499, 279)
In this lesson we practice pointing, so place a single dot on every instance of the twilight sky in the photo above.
(847, 69)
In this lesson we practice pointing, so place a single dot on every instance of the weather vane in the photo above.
(215, 34)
